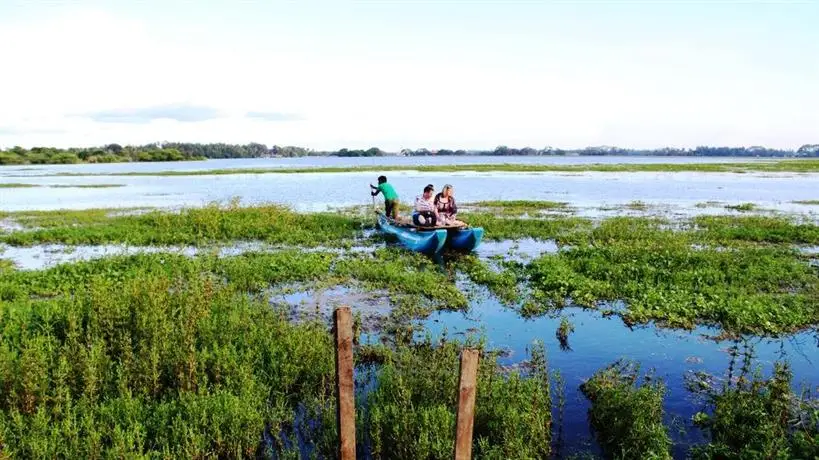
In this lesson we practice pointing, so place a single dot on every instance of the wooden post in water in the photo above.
(466, 404)
(345, 401)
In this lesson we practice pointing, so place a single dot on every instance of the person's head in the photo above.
(428, 191)
(447, 191)
(382, 179)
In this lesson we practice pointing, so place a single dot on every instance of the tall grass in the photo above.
(411, 412)
(155, 365)
(627, 418)
(757, 418)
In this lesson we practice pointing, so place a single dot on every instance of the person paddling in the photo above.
(390, 197)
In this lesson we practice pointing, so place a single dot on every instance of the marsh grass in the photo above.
(756, 229)
(627, 418)
(757, 417)
(17, 185)
(564, 329)
(743, 207)
(154, 365)
(518, 207)
(196, 226)
(807, 202)
(411, 412)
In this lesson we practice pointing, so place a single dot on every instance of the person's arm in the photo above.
(454, 207)
(376, 192)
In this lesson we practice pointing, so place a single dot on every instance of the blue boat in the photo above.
(465, 239)
(428, 241)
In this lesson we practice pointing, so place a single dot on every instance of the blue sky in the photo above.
(406, 74)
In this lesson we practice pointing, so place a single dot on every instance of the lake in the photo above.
(675, 193)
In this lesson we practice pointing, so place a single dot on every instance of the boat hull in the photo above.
(427, 241)
(465, 239)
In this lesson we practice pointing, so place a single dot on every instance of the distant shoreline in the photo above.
(115, 153)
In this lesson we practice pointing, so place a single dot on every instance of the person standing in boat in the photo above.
(425, 214)
(445, 205)
(390, 197)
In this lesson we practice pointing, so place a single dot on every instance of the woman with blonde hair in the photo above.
(445, 205)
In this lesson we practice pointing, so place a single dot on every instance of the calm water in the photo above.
(677, 193)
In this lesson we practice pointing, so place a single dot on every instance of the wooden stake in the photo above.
(466, 404)
(345, 407)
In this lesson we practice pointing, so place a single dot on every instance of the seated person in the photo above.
(425, 214)
(445, 205)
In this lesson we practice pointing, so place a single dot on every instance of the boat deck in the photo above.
(406, 222)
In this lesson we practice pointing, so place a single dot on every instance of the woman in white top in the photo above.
(425, 214)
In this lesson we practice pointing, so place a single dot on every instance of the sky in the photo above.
(410, 74)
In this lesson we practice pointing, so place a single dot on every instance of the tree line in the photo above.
(177, 151)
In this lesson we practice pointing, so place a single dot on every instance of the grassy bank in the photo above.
(796, 165)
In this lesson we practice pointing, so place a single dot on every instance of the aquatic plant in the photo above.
(755, 417)
(198, 226)
(741, 207)
(756, 290)
(761, 229)
(627, 418)
(156, 366)
(517, 207)
(562, 333)
(411, 412)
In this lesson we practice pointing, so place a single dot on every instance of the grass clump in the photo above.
(743, 207)
(518, 207)
(153, 366)
(402, 272)
(564, 329)
(411, 412)
(197, 226)
(627, 419)
(758, 229)
(499, 228)
(758, 418)
(17, 185)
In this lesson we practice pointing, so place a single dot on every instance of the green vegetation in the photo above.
(112, 153)
(758, 290)
(411, 413)
(498, 228)
(563, 331)
(271, 224)
(517, 207)
(86, 186)
(757, 229)
(17, 185)
(800, 165)
(741, 207)
(153, 365)
(807, 202)
(759, 418)
(627, 419)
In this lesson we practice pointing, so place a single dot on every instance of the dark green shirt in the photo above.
(388, 191)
